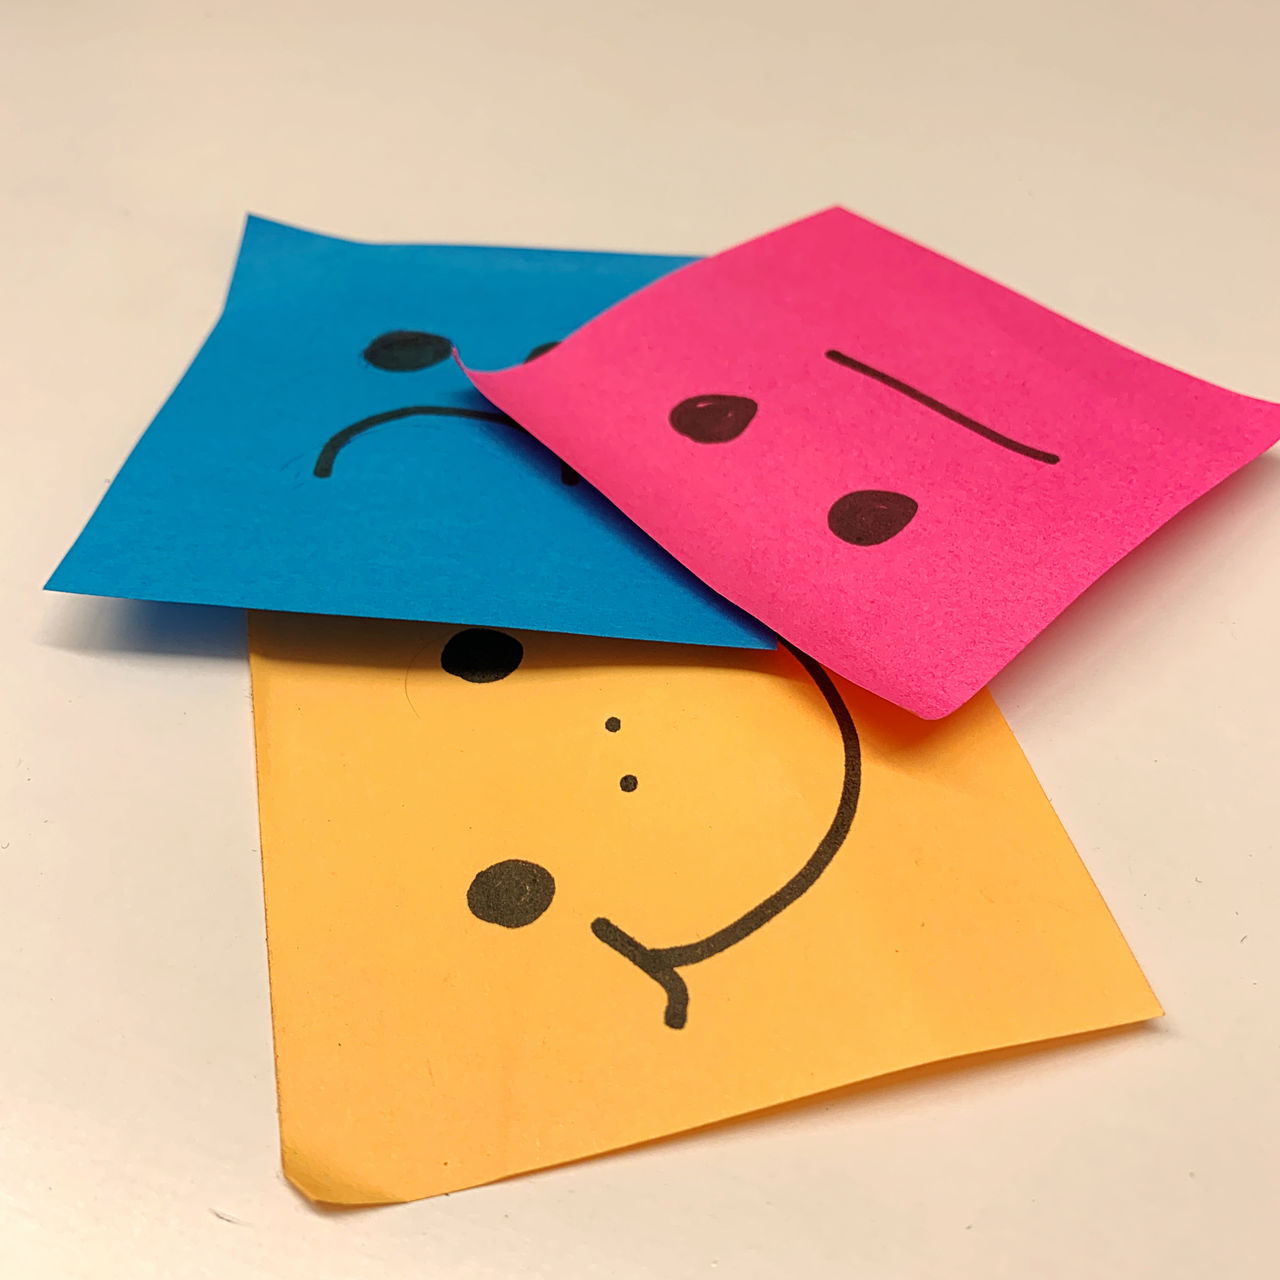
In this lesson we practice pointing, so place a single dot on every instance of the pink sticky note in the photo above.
(902, 467)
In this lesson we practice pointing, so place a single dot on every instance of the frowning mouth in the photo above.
(339, 441)
(662, 963)
(335, 444)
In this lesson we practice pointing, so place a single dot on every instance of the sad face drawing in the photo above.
(411, 351)
(324, 454)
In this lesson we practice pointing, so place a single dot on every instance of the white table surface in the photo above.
(1116, 159)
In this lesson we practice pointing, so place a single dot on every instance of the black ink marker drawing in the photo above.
(339, 441)
(662, 963)
(514, 893)
(481, 655)
(407, 351)
(713, 419)
(865, 517)
(410, 351)
(869, 517)
(921, 397)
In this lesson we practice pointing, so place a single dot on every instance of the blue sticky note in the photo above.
(324, 454)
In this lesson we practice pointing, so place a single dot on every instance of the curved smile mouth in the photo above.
(662, 963)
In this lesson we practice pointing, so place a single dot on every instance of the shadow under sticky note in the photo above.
(899, 465)
(531, 898)
(324, 454)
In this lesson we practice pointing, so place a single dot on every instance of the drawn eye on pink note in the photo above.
(902, 467)
(864, 517)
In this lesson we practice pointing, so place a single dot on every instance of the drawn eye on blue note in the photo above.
(324, 454)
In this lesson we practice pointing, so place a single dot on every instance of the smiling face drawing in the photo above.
(514, 893)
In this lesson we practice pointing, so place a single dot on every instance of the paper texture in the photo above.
(324, 454)
(532, 897)
(902, 467)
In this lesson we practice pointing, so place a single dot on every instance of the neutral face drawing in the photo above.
(514, 893)
(864, 517)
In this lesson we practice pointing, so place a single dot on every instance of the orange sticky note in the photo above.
(532, 897)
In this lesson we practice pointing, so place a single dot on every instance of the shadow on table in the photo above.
(93, 624)
(1128, 598)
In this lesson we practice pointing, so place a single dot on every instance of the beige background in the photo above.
(1114, 158)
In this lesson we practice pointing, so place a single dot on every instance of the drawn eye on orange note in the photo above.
(452, 818)
(515, 892)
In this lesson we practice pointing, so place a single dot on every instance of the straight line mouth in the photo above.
(945, 410)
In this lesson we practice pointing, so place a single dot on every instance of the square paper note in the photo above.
(902, 467)
(324, 454)
(533, 897)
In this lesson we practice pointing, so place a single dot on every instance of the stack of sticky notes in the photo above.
(624, 758)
